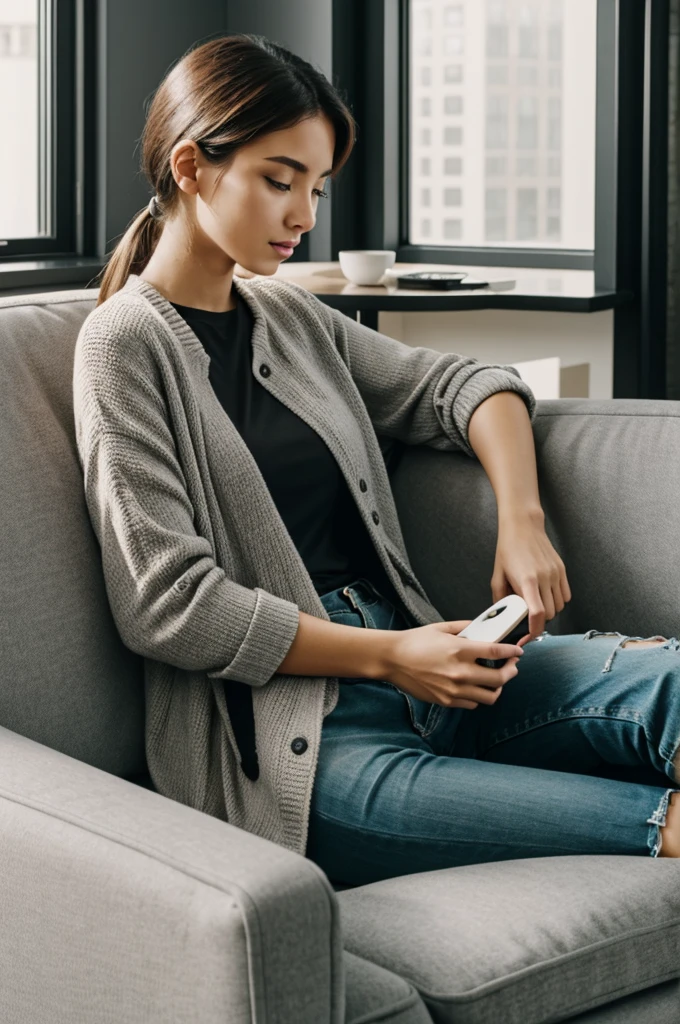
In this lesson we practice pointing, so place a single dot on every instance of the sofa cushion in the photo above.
(374, 994)
(67, 679)
(522, 941)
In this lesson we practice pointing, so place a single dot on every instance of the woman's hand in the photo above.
(527, 564)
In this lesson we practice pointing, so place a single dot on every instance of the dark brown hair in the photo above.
(222, 94)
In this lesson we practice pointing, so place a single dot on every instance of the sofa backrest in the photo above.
(67, 680)
(610, 488)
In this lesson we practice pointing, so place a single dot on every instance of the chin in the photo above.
(240, 271)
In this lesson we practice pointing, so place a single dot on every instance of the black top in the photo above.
(306, 483)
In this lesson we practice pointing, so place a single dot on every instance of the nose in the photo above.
(303, 217)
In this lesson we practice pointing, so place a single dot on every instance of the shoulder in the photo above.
(118, 330)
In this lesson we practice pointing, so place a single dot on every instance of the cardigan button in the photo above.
(376, 517)
(299, 745)
(363, 485)
(264, 370)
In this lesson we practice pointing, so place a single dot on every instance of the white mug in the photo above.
(366, 266)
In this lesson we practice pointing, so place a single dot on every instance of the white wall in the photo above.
(510, 336)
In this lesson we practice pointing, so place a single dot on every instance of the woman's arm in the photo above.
(500, 434)
(526, 562)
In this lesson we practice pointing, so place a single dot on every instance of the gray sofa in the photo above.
(118, 904)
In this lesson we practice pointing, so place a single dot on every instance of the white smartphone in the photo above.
(495, 623)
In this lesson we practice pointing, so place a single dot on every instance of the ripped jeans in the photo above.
(574, 757)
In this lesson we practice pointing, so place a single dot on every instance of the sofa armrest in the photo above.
(120, 904)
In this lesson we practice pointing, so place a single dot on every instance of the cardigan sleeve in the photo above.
(416, 394)
(169, 599)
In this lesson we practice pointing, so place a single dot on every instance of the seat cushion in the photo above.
(374, 994)
(522, 941)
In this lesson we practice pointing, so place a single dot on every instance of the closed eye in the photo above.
(282, 187)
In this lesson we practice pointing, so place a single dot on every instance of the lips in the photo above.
(283, 250)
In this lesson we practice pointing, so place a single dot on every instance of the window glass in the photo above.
(19, 121)
(524, 121)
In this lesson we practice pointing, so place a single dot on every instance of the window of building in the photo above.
(453, 196)
(554, 122)
(453, 44)
(496, 74)
(426, 75)
(527, 167)
(496, 121)
(453, 15)
(453, 165)
(453, 230)
(453, 73)
(496, 167)
(426, 227)
(527, 75)
(425, 165)
(527, 122)
(425, 136)
(425, 106)
(453, 135)
(496, 215)
(425, 197)
(527, 214)
(453, 104)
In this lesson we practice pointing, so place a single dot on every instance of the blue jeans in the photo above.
(573, 758)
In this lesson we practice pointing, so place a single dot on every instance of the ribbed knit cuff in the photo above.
(272, 630)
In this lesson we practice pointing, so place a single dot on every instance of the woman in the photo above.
(228, 432)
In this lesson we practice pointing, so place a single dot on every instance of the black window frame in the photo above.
(65, 102)
(370, 204)
(378, 85)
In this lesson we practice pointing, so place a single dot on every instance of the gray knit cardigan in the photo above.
(202, 576)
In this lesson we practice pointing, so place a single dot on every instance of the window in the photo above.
(496, 74)
(527, 213)
(496, 167)
(527, 167)
(425, 227)
(38, 172)
(453, 230)
(496, 212)
(425, 136)
(453, 44)
(528, 30)
(425, 197)
(524, 90)
(554, 122)
(527, 75)
(496, 121)
(527, 122)
(426, 75)
(453, 104)
(453, 73)
(453, 197)
(453, 15)
(425, 106)
(425, 165)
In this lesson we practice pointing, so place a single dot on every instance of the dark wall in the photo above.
(137, 43)
(306, 28)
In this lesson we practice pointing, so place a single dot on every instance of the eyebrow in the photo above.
(295, 164)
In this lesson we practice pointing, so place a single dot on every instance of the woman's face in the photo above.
(239, 212)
